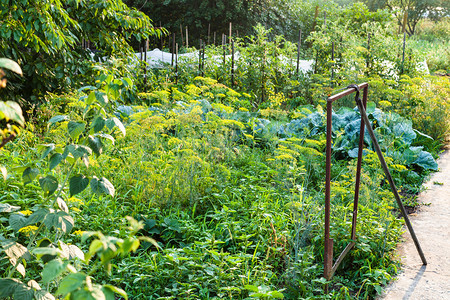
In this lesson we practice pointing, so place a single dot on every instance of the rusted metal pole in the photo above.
(328, 242)
(390, 180)
(358, 169)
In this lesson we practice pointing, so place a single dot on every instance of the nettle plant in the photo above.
(45, 225)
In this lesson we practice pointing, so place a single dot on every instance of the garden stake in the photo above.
(203, 60)
(329, 268)
(173, 48)
(391, 181)
(232, 63)
(298, 49)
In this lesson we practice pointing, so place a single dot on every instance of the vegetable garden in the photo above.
(204, 179)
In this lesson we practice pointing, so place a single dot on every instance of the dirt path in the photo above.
(432, 227)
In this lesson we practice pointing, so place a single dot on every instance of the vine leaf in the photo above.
(29, 175)
(115, 122)
(71, 283)
(70, 251)
(8, 286)
(55, 159)
(49, 184)
(98, 124)
(60, 220)
(95, 144)
(53, 269)
(75, 129)
(77, 184)
(17, 221)
(102, 186)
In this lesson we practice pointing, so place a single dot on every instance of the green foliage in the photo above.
(43, 225)
(45, 38)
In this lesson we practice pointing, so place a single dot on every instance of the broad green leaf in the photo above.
(129, 245)
(102, 186)
(14, 250)
(426, 161)
(77, 184)
(90, 99)
(29, 175)
(43, 295)
(98, 124)
(70, 251)
(49, 184)
(101, 97)
(38, 216)
(79, 150)
(115, 122)
(55, 159)
(60, 220)
(53, 269)
(6, 63)
(23, 292)
(96, 145)
(8, 286)
(71, 283)
(17, 222)
(6, 208)
(75, 129)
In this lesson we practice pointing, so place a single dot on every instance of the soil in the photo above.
(431, 223)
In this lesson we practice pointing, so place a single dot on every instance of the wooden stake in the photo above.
(187, 37)
(405, 19)
(232, 63)
(173, 48)
(182, 39)
(230, 34)
(298, 49)
(209, 31)
(176, 63)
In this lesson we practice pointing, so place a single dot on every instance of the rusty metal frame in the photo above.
(329, 267)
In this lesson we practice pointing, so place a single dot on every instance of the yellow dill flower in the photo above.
(26, 212)
(78, 232)
(27, 230)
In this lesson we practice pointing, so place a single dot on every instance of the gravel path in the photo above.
(432, 227)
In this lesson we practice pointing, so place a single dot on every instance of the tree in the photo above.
(413, 10)
(45, 37)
